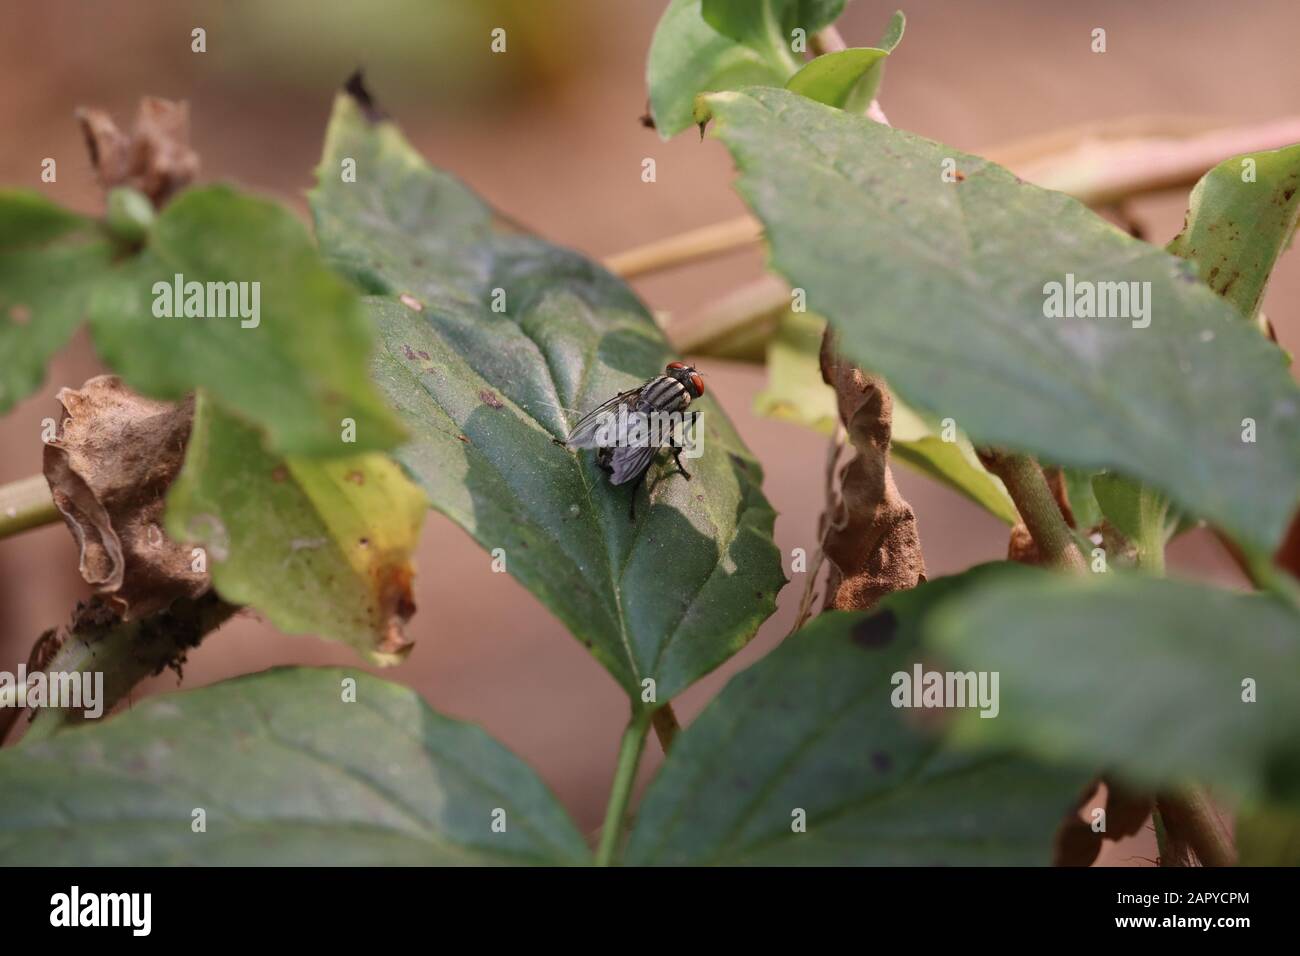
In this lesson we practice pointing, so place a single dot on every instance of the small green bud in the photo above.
(130, 214)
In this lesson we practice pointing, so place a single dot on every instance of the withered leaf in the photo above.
(872, 545)
(154, 158)
(109, 469)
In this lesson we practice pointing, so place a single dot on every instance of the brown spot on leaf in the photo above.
(882, 761)
(356, 476)
(423, 354)
(279, 473)
(489, 398)
(20, 314)
(408, 352)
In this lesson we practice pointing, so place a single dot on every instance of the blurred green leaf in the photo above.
(1142, 675)
(811, 727)
(836, 79)
(939, 286)
(485, 391)
(1083, 500)
(298, 369)
(318, 546)
(49, 259)
(795, 390)
(1240, 217)
(749, 43)
(1268, 836)
(288, 773)
(849, 79)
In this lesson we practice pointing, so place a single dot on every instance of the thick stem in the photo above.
(125, 653)
(26, 504)
(1189, 818)
(1038, 507)
(666, 726)
(629, 758)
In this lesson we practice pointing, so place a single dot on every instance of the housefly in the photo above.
(626, 432)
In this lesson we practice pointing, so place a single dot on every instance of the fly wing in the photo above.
(629, 462)
(586, 432)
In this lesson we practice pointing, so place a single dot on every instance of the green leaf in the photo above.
(48, 259)
(836, 78)
(1139, 674)
(919, 441)
(849, 79)
(485, 392)
(766, 23)
(751, 45)
(796, 392)
(288, 773)
(811, 727)
(1268, 836)
(1238, 222)
(298, 367)
(1083, 500)
(940, 287)
(318, 546)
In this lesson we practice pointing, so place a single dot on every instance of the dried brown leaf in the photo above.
(109, 469)
(155, 158)
(871, 544)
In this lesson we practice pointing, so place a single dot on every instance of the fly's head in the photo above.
(686, 374)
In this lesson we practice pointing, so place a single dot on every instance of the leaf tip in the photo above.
(355, 87)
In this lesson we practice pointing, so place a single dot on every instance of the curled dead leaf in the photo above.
(109, 469)
(154, 158)
(871, 544)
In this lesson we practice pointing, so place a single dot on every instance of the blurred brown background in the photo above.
(549, 133)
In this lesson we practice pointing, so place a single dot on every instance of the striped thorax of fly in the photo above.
(630, 429)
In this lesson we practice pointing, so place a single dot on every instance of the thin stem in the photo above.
(738, 326)
(26, 504)
(828, 40)
(666, 726)
(629, 758)
(1038, 507)
(692, 246)
(1189, 817)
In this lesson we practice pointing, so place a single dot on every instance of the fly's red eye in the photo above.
(698, 381)
(676, 365)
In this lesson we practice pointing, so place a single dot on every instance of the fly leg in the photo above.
(677, 457)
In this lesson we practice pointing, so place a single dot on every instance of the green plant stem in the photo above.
(125, 652)
(1189, 814)
(26, 504)
(629, 758)
(1038, 507)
